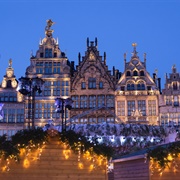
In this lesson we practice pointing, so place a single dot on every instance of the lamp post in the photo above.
(29, 87)
(61, 105)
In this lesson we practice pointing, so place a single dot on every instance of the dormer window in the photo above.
(135, 73)
(128, 73)
(48, 53)
(92, 83)
(174, 85)
(141, 73)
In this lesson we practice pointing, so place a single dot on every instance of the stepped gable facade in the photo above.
(11, 104)
(137, 92)
(170, 99)
(53, 67)
(92, 88)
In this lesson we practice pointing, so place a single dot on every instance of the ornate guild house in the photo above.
(170, 100)
(137, 93)
(51, 65)
(92, 88)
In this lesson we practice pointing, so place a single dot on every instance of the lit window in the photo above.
(131, 107)
(152, 107)
(100, 85)
(110, 101)
(92, 101)
(92, 83)
(75, 102)
(83, 101)
(48, 53)
(83, 85)
(101, 100)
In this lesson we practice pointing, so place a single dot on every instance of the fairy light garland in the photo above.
(164, 157)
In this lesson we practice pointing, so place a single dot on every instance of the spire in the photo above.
(174, 68)
(40, 41)
(145, 59)
(49, 31)
(125, 59)
(57, 41)
(96, 42)
(87, 42)
(31, 53)
(104, 57)
(124, 56)
(79, 57)
(134, 53)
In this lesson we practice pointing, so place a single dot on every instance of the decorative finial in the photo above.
(144, 55)
(156, 71)
(79, 57)
(134, 53)
(124, 55)
(96, 42)
(87, 42)
(57, 41)
(174, 68)
(104, 57)
(10, 62)
(134, 44)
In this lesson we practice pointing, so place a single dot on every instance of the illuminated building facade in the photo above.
(137, 93)
(12, 112)
(170, 99)
(92, 88)
(98, 94)
(52, 66)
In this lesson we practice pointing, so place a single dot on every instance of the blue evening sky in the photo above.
(153, 24)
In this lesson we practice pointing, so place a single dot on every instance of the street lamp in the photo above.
(61, 105)
(28, 87)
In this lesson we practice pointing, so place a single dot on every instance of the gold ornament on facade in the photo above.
(49, 31)
(134, 44)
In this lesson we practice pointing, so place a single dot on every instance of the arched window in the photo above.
(135, 73)
(143, 87)
(139, 87)
(141, 73)
(128, 87)
(128, 73)
(132, 87)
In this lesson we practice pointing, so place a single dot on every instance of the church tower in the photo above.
(11, 104)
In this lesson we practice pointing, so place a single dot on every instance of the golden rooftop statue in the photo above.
(49, 31)
(49, 24)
